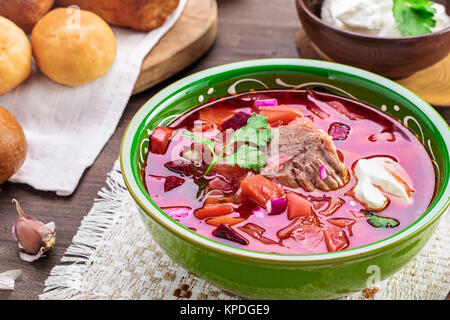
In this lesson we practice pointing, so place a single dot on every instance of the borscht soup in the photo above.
(289, 172)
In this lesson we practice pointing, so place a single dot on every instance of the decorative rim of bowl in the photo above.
(366, 36)
(153, 211)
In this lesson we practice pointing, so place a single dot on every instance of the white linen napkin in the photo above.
(67, 127)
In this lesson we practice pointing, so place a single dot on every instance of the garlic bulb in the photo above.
(33, 236)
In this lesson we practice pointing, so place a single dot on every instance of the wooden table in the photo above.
(248, 29)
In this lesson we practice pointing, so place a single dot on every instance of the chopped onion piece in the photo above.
(258, 212)
(276, 206)
(323, 172)
(177, 212)
(266, 102)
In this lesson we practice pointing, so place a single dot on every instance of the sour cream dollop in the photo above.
(379, 174)
(371, 17)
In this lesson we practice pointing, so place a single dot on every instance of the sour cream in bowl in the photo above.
(372, 17)
(367, 34)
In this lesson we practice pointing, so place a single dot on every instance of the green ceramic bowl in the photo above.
(279, 276)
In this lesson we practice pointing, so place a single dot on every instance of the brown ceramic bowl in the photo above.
(391, 57)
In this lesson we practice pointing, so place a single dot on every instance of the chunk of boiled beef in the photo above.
(308, 149)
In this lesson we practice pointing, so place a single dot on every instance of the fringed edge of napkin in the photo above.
(65, 280)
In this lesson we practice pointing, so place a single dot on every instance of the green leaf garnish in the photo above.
(249, 157)
(254, 131)
(414, 17)
(380, 222)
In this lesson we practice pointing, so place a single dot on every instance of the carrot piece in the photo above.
(274, 116)
(217, 115)
(215, 200)
(260, 190)
(213, 210)
(281, 113)
(160, 139)
(225, 220)
(283, 107)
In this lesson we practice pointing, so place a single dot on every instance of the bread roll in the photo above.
(25, 13)
(15, 56)
(137, 14)
(13, 145)
(73, 47)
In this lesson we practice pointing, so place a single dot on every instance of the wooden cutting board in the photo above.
(191, 36)
(431, 84)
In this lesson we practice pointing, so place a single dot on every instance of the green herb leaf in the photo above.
(380, 222)
(207, 142)
(254, 131)
(248, 157)
(414, 17)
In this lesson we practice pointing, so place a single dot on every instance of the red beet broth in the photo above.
(362, 132)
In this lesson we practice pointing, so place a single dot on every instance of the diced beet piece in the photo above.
(172, 182)
(343, 223)
(236, 122)
(335, 238)
(226, 232)
(339, 131)
(160, 139)
(179, 166)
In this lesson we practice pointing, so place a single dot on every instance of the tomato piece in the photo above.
(160, 139)
(228, 171)
(260, 190)
(298, 206)
(225, 220)
(335, 238)
(256, 232)
(342, 223)
(217, 115)
(298, 224)
(213, 210)
(220, 184)
(202, 127)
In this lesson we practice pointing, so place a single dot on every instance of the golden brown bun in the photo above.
(13, 145)
(15, 56)
(137, 14)
(25, 13)
(73, 47)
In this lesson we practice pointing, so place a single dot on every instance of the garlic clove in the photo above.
(8, 279)
(33, 236)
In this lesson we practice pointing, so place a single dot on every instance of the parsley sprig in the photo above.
(414, 17)
(380, 222)
(247, 156)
